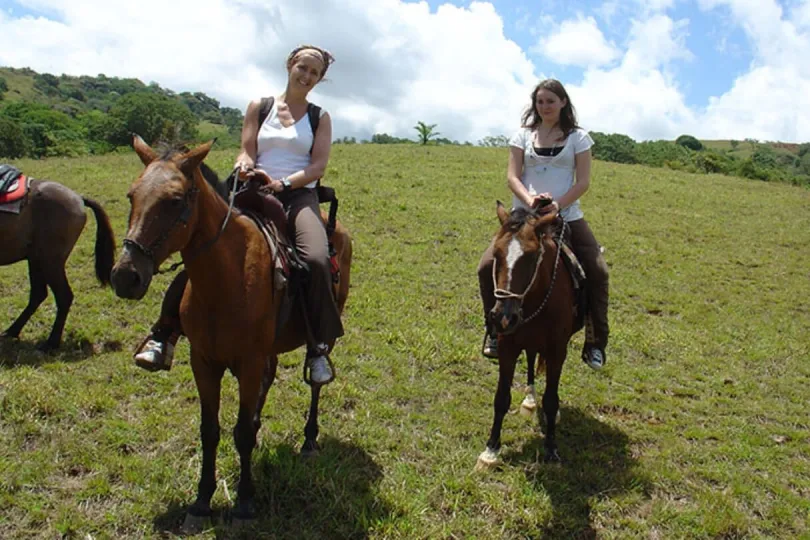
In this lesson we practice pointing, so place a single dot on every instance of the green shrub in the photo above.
(614, 147)
(689, 142)
(13, 142)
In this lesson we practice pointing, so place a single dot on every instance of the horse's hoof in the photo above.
(310, 449)
(244, 515)
(528, 406)
(195, 524)
(552, 457)
(489, 459)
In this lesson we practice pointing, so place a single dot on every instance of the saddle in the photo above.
(290, 271)
(13, 189)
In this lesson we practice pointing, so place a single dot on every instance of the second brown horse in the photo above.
(230, 306)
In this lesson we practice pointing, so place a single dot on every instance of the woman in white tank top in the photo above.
(285, 154)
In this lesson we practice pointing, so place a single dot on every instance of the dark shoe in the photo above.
(490, 347)
(155, 355)
(594, 357)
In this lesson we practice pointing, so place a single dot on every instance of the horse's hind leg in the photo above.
(310, 446)
(209, 383)
(529, 404)
(503, 399)
(37, 295)
(57, 280)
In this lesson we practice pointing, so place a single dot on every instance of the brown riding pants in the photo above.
(586, 248)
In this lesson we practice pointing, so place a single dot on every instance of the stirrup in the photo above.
(308, 368)
(594, 357)
(154, 355)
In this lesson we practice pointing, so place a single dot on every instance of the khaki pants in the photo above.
(305, 227)
(590, 257)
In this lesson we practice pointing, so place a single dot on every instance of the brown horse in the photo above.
(530, 278)
(230, 305)
(44, 233)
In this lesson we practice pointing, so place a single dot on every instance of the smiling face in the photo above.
(548, 106)
(306, 70)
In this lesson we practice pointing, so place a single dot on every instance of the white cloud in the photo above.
(399, 62)
(396, 62)
(577, 42)
(772, 100)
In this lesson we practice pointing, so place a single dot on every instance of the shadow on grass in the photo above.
(74, 348)
(332, 495)
(596, 463)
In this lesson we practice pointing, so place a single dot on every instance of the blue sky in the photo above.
(647, 68)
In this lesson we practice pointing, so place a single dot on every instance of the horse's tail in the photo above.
(105, 242)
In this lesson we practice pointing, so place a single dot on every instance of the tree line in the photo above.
(47, 116)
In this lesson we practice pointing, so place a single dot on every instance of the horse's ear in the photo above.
(545, 224)
(191, 160)
(143, 150)
(503, 215)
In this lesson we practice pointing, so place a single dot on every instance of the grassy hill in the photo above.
(697, 427)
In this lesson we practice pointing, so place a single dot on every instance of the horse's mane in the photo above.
(220, 187)
(520, 216)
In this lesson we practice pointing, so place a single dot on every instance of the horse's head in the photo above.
(162, 215)
(518, 254)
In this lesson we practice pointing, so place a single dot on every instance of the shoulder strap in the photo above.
(265, 104)
(314, 113)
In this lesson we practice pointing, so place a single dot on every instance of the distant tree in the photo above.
(426, 132)
(752, 142)
(689, 142)
(614, 147)
(734, 144)
(13, 142)
(385, 138)
(152, 116)
(494, 140)
(3, 85)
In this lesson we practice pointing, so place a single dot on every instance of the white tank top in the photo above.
(282, 151)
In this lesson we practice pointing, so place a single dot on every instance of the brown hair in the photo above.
(568, 116)
(326, 57)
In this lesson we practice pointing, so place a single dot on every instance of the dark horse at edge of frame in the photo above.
(44, 233)
(530, 278)
(230, 306)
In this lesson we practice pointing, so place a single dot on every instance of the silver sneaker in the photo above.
(319, 370)
(155, 355)
(595, 358)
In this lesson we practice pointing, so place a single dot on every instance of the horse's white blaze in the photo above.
(514, 253)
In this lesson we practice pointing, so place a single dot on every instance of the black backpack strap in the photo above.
(314, 113)
(265, 105)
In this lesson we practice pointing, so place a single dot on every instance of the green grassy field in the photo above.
(697, 427)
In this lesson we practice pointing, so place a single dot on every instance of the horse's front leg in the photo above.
(551, 403)
(507, 358)
(310, 446)
(209, 382)
(251, 394)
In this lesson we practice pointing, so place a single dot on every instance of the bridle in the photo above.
(182, 219)
(503, 294)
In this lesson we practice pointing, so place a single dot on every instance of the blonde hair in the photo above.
(326, 57)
